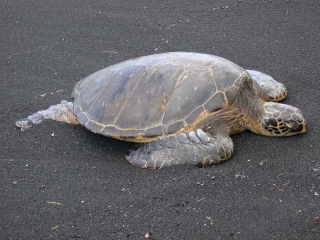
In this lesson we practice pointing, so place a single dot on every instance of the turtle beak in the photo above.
(304, 127)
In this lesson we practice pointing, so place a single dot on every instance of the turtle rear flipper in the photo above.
(266, 87)
(196, 148)
(62, 112)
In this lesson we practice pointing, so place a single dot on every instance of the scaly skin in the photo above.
(197, 148)
(62, 112)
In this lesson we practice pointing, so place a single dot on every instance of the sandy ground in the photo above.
(60, 181)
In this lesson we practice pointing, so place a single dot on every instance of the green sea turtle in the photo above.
(183, 106)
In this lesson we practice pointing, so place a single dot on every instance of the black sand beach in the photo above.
(61, 181)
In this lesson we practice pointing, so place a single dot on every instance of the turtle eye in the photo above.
(290, 124)
(294, 126)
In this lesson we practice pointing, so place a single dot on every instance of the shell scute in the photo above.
(216, 101)
(172, 127)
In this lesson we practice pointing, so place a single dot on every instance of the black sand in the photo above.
(60, 181)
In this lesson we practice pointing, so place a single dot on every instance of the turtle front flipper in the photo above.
(266, 87)
(196, 147)
(62, 112)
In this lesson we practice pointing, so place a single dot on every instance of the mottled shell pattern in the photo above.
(156, 94)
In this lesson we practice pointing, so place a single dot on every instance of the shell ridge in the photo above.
(211, 74)
(99, 95)
(178, 83)
(116, 119)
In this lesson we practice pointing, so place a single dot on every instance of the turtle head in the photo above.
(282, 120)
